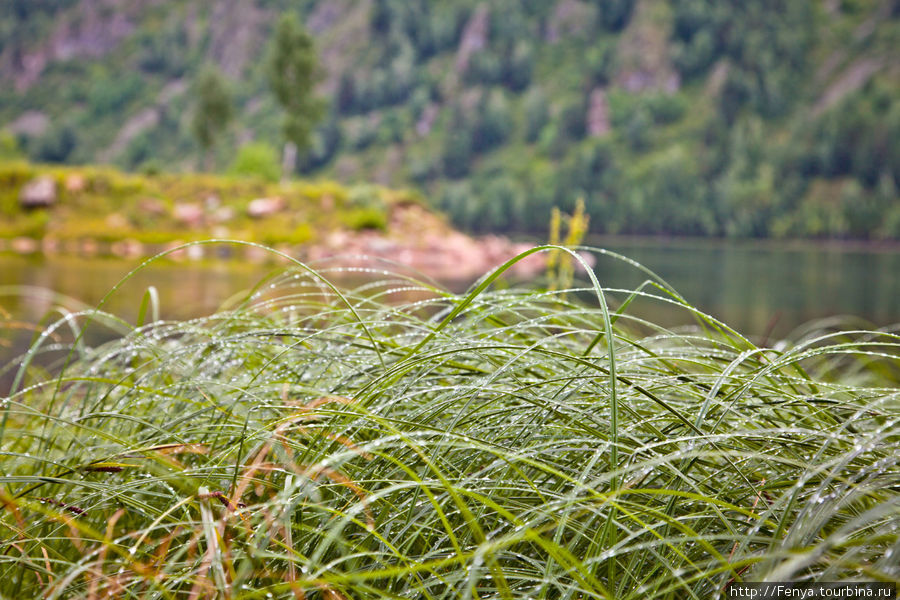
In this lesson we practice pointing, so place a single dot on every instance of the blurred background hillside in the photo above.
(767, 118)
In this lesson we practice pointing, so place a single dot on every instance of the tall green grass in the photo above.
(401, 441)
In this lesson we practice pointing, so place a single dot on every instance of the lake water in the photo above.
(769, 288)
(759, 289)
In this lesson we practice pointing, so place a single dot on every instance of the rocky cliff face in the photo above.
(115, 34)
(451, 96)
(92, 29)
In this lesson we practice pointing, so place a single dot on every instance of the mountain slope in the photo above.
(764, 118)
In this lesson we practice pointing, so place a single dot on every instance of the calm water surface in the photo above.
(756, 288)
(185, 290)
(761, 288)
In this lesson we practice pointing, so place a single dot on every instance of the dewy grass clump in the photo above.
(402, 442)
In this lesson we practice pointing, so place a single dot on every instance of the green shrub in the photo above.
(109, 94)
(9, 148)
(256, 159)
(639, 129)
(366, 196)
(364, 135)
(503, 202)
(666, 108)
(537, 115)
(390, 129)
(150, 167)
(601, 62)
(494, 124)
(286, 233)
(519, 66)
(485, 68)
(55, 146)
(573, 119)
(457, 148)
(365, 218)
(614, 14)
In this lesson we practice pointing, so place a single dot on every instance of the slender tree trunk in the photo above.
(288, 160)
(208, 160)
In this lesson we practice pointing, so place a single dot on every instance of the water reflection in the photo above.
(755, 288)
(40, 290)
(752, 287)
(185, 290)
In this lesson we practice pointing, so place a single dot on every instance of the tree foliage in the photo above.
(507, 108)
(256, 160)
(291, 70)
(766, 45)
(214, 109)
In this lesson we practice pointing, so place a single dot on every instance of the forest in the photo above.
(771, 118)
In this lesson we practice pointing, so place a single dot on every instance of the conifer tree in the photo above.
(291, 68)
(213, 112)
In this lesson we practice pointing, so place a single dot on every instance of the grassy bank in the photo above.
(104, 205)
(398, 441)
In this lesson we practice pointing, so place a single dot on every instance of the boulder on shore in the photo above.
(188, 213)
(24, 245)
(38, 193)
(76, 183)
(264, 207)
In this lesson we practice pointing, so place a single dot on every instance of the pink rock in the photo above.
(116, 221)
(255, 254)
(338, 239)
(128, 248)
(195, 252)
(152, 206)
(38, 193)
(223, 214)
(50, 245)
(24, 245)
(76, 183)
(89, 247)
(188, 213)
(177, 255)
(264, 207)
(598, 114)
(474, 36)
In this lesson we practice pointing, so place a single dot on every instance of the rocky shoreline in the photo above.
(94, 212)
(415, 239)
